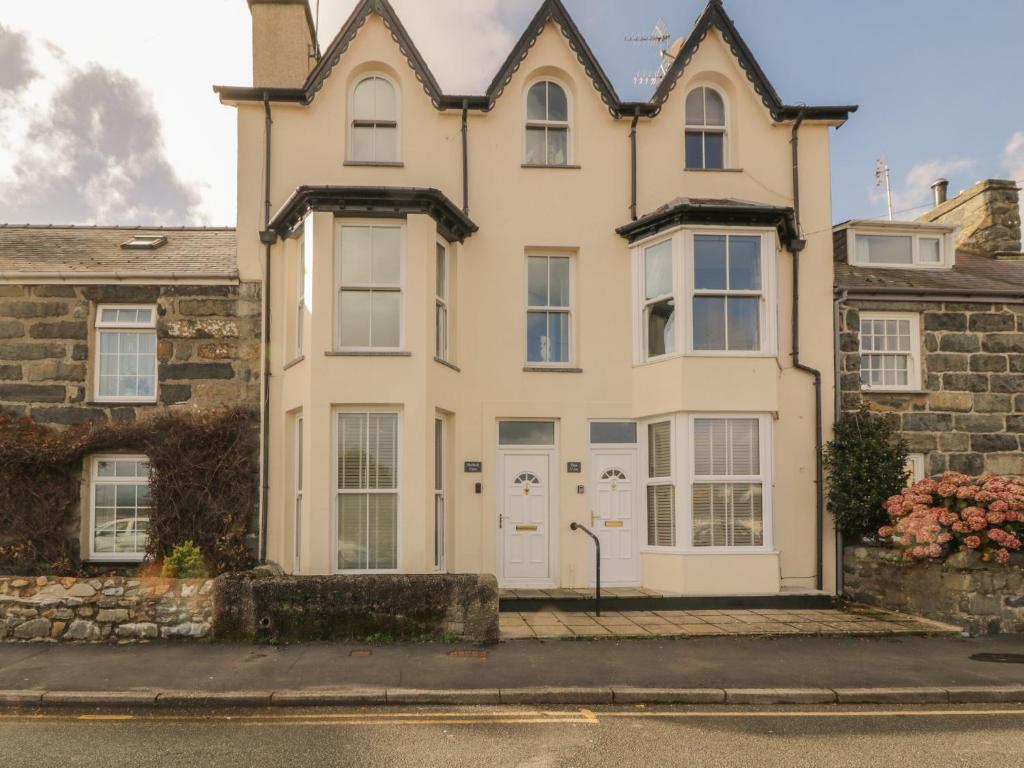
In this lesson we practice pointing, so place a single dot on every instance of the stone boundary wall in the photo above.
(389, 607)
(983, 598)
(971, 418)
(111, 609)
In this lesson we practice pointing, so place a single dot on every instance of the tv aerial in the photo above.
(657, 37)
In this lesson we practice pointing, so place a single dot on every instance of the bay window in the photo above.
(660, 486)
(659, 301)
(369, 287)
(441, 289)
(367, 491)
(727, 293)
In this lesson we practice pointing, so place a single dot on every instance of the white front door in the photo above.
(525, 522)
(613, 514)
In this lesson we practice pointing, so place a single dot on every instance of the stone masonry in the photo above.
(111, 609)
(208, 348)
(982, 598)
(971, 419)
(988, 219)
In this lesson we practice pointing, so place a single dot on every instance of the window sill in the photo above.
(116, 560)
(707, 551)
(374, 164)
(567, 167)
(154, 401)
(550, 369)
(293, 362)
(448, 364)
(368, 353)
(875, 391)
(714, 170)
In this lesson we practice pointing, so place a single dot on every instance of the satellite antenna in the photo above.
(882, 179)
(657, 36)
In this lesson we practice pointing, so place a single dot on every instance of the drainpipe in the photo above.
(632, 151)
(796, 246)
(465, 156)
(837, 308)
(267, 238)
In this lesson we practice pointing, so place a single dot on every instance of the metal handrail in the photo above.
(597, 549)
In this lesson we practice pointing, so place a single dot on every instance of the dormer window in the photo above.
(547, 125)
(887, 245)
(705, 129)
(374, 129)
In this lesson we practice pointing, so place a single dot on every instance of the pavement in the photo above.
(521, 737)
(851, 620)
(739, 671)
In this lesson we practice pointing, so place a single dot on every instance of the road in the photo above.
(521, 737)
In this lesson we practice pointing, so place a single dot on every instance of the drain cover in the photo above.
(1000, 658)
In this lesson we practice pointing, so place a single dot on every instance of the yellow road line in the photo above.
(824, 713)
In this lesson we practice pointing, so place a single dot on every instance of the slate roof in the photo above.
(722, 211)
(972, 274)
(70, 251)
(713, 16)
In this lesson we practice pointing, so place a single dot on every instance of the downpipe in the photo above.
(837, 309)
(267, 238)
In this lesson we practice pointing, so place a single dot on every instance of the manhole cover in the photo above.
(468, 654)
(1000, 658)
(359, 652)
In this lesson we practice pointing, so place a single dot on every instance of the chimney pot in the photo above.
(940, 188)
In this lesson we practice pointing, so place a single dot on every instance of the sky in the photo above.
(107, 113)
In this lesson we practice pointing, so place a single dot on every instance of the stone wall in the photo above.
(111, 609)
(983, 598)
(208, 348)
(412, 607)
(971, 419)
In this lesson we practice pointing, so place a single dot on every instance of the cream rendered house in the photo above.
(493, 315)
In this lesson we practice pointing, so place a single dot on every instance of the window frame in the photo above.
(569, 310)
(704, 129)
(443, 343)
(914, 356)
(641, 317)
(297, 497)
(399, 287)
(683, 478)
(682, 275)
(337, 492)
(300, 295)
(570, 154)
(100, 327)
(765, 478)
(916, 466)
(93, 462)
(947, 253)
(373, 123)
(440, 493)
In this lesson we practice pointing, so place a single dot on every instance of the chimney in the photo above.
(987, 216)
(284, 47)
(939, 190)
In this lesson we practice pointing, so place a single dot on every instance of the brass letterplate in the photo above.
(612, 523)
(526, 527)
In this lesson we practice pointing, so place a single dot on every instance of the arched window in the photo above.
(705, 129)
(547, 124)
(374, 121)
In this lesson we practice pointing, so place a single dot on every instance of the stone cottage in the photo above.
(113, 324)
(930, 324)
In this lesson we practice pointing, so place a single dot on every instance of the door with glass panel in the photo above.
(526, 458)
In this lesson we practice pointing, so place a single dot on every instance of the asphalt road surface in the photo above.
(523, 737)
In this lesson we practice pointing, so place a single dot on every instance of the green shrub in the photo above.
(866, 463)
(185, 562)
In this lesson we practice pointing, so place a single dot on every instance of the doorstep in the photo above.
(644, 599)
(848, 621)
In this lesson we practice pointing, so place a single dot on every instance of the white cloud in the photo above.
(1013, 157)
(913, 195)
(463, 42)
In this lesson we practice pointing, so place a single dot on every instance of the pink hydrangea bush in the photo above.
(935, 518)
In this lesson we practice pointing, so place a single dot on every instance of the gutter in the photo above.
(267, 238)
(893, 293)
(632, 178)
(797, 245)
